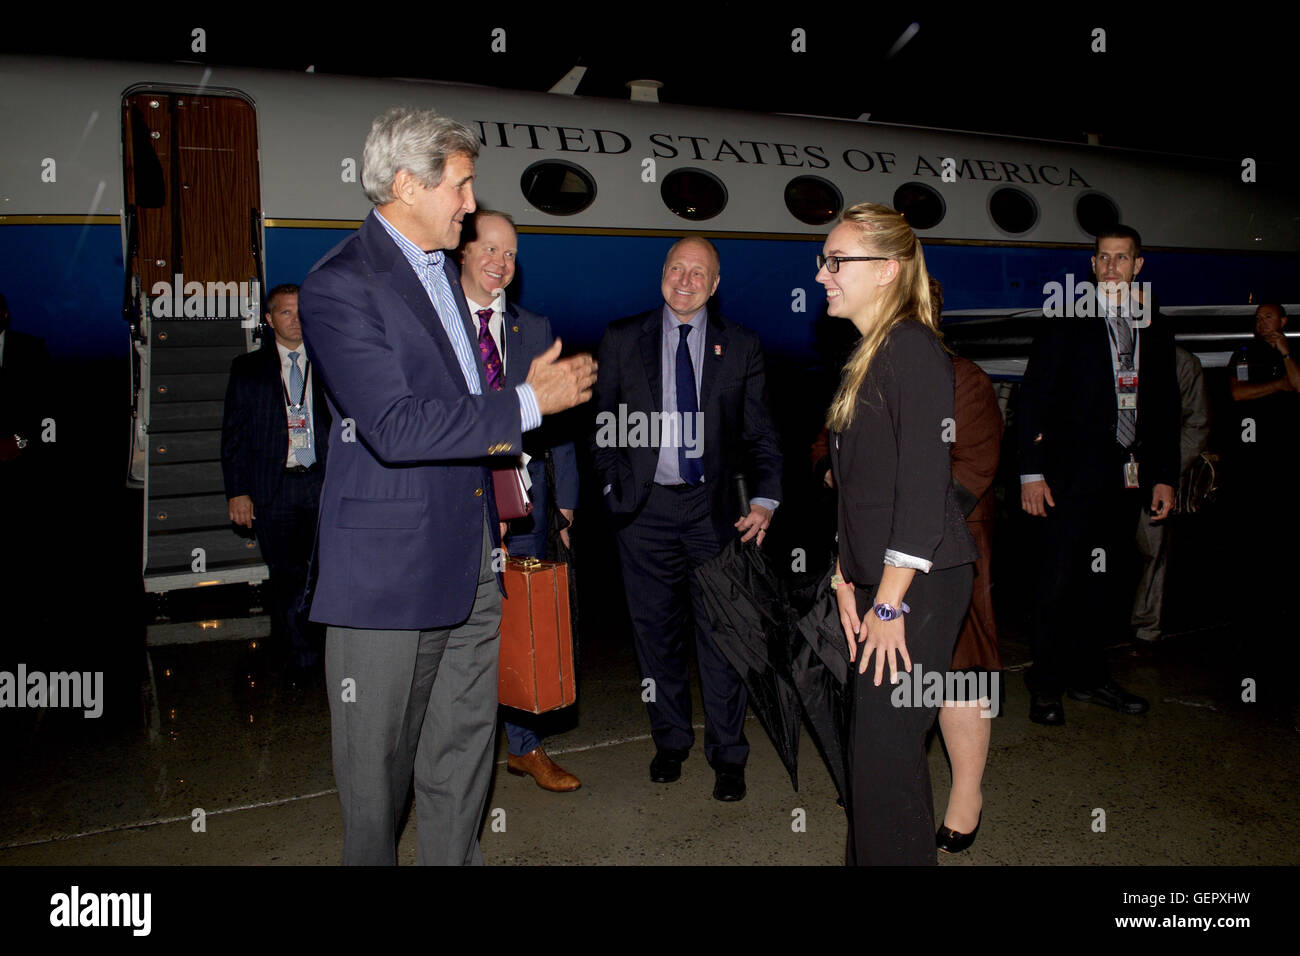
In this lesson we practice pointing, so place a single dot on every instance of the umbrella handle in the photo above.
(742, 493)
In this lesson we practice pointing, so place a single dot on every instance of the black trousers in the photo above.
(1087, 570)
(891, 818)
(670, 537)
(286, 532)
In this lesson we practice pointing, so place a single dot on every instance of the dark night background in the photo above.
(1168, 81)
(1172, 81)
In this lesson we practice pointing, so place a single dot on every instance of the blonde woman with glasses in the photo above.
(904, 575)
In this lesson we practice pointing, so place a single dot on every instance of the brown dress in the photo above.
(978, 440)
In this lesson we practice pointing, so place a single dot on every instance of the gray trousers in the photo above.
(424, 702)
(1148, 602)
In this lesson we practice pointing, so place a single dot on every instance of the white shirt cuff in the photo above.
(530, 414)
(767, 503)
(1026, 479)
(897, 559)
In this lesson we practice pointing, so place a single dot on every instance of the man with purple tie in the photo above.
(509, 338)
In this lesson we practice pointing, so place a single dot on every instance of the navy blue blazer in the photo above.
(407, 487)
(254, 429)
(527, 336)
(739, 436)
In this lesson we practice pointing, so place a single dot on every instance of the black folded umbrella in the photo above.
(820, 672)
(754, 627)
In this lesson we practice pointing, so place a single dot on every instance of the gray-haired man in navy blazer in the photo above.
(408, 520)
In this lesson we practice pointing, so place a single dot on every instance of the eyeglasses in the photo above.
(832, 263)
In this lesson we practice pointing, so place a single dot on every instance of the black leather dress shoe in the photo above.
(1046, 709)
(950, 841)
(1113, 696)
(729, 785)
(667, 765)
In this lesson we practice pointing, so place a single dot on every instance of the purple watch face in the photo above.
(887, 613)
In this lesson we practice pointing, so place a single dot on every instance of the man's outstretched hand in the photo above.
(561, 383)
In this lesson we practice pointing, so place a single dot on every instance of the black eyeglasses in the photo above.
(832, 263)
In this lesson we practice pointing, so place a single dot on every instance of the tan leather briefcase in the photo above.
(535, 671)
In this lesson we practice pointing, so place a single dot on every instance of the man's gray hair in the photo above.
(416, 140)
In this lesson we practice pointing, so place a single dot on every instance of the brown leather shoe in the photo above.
(548, 774)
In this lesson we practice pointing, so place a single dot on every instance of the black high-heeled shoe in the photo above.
(950, 841)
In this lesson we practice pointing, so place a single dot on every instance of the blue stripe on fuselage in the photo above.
(64, 283)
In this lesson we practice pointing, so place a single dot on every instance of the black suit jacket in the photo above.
(1067, 412)
(26, 390)
(24, 386)
(739, 436)
(254, 428)
(892, 465)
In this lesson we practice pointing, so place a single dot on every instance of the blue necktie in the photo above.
(691, 469)
(304, 456)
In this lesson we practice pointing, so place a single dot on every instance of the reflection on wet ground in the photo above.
(1204, 778)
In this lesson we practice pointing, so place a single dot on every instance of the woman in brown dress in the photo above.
(966, 729)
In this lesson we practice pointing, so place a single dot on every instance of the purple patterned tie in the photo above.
(488, 349)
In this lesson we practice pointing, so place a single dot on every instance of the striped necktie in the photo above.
(306, 457)
(1126, 418)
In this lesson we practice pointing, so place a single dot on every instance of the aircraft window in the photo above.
(558, 188)
(813, 200)
(921, 206)
(693, 194)
(1013, 210)
(1095, 212)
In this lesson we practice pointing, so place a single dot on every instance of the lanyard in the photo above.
(306, 384)
(1114, 347)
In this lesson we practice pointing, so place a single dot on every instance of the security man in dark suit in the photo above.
(273, 443)
(1098, 440)
(25, 393)
(24, 382)
(681, 410)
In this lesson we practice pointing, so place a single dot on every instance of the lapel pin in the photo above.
(717, 350)
(514, 328)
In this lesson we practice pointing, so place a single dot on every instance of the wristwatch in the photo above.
(887, 612)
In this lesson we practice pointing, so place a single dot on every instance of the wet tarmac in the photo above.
(1203, 778)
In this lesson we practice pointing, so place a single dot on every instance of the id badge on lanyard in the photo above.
(299, 420)
(299, 432)
(1126, 379)
(1126, 388)
(1131, 472)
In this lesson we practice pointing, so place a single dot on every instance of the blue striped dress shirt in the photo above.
(429, 270)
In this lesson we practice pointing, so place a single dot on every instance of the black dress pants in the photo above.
(1086, 576)
(891, 819)
(286, 532)
(670, 537)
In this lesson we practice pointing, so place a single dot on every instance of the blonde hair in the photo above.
(884, 232)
